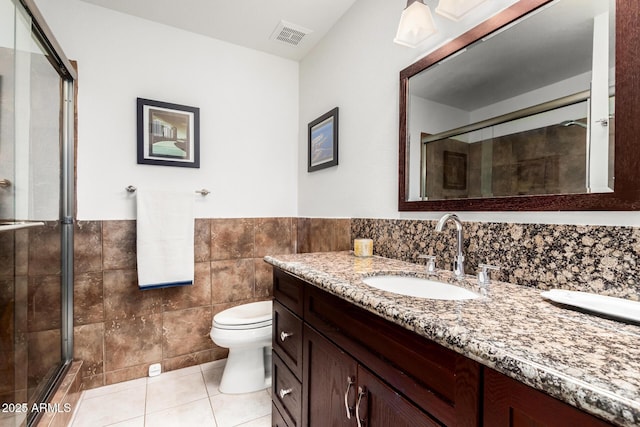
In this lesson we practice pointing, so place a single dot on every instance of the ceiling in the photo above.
(248, 23)
(550, 46)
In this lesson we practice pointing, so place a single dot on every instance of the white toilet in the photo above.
(246, 331)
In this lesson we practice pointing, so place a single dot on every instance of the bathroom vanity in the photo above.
(347, 354)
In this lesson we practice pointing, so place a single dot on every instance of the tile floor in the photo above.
(182, 398)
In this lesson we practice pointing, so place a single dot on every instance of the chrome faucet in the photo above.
(458, 262)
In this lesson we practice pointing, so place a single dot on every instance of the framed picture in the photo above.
(454, 171)
(323, 141)
(168, 134)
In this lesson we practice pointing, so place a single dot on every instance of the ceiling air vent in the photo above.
(289, 33)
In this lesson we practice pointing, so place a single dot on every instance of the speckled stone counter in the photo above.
(590, 362)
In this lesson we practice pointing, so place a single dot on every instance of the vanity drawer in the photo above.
(286, 393)
(276, 419)
(287, 337)
(289, 290)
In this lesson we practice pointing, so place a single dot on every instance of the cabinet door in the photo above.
(380, 406)
(509, 403)
(329, 375)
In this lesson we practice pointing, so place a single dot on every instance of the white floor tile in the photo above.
(212, 379)
(113, 388)
(234, 409)
(174, 391)
(194, 414)
(174, 374)
(111, 408)
(213, 365)
(186, 397)
(134, 422)
(258, 422)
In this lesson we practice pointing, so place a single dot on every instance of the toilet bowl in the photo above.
(246, 331)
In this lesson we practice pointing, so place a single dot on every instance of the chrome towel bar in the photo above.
(132, 189)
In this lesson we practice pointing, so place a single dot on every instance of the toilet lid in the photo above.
(252, 315)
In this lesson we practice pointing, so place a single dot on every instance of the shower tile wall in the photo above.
(29, 309)
(120, 330)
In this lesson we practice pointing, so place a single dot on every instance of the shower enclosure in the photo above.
(36, 213)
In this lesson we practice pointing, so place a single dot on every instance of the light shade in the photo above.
(416, 24)
(456, 9)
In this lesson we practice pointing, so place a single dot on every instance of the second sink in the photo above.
(419, 287)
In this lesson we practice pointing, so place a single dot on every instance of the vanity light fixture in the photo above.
(456, 9)
(416, 24)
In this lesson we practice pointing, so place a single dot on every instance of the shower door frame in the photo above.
(59, 61)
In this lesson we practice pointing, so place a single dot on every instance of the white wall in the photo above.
(356, 67)
(432, 117)
(248, 104)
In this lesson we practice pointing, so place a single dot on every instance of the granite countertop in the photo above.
(588, 361)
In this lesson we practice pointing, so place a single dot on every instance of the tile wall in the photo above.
(30, 317)
(120, 330)
(546, 160)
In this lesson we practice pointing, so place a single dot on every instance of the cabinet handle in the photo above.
(283, 392)
(346, 397)
(284, 335)
(362, 391)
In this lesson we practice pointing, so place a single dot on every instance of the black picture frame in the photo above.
(323, 141)
(168, 134)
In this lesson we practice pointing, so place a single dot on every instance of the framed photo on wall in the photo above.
(168, 134)
(323, 141)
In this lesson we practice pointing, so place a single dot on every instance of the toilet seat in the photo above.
(248, 316)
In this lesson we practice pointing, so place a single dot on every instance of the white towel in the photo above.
(165, 228)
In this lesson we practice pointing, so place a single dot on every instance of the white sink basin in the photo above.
(418, 287)
(611, 306)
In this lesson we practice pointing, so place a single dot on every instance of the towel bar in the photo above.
(132, 189)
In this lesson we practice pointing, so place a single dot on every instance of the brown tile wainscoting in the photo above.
(119, 330)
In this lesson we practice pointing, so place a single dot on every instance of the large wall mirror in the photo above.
(534, 109)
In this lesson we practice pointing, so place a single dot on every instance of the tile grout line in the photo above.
(146, 391)
(213, 412)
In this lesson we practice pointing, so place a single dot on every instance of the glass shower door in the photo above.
(34, 229)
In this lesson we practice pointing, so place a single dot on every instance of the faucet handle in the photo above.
(431, 262)
(483, 275)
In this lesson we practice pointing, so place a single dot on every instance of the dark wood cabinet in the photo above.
(329, 383)
(286, 392)
(334, 361)
(510, 403)
(276, 418)
(442, 382)
(287, 337)
(338, 391)
(338, 365)
(380, 405)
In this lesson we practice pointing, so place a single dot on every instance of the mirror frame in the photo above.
(626, 194)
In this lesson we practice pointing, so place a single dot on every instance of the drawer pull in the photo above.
(283, 392)
(346, 397)
(284, 335)
(362, 391)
